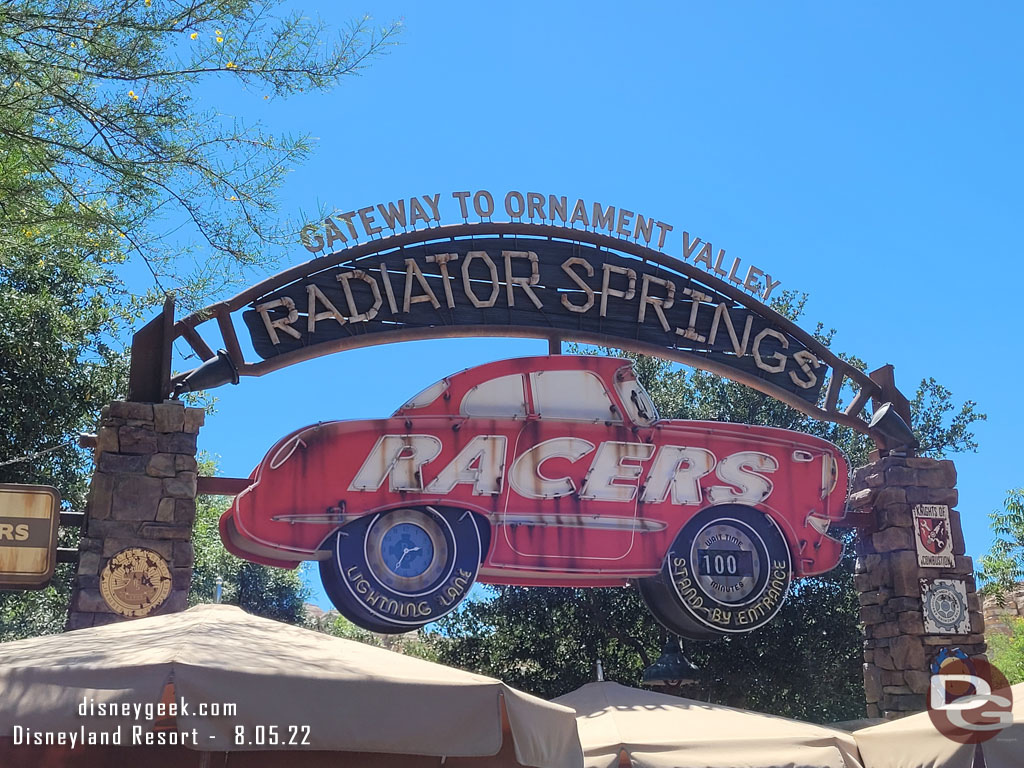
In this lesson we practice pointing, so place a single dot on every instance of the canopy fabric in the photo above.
(914, 742)
(181, 757)
(353, 697)
(659, 731)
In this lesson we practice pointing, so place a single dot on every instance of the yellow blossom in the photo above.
(149, 3)
(193, 36)
(233, 198)
(121, 234)
(216, 32)
(220, 39)
(230, 65)
(51, 120)
(135, 97)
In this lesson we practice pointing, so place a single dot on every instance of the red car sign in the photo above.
(546, 471)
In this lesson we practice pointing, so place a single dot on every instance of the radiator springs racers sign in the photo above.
(502, 282)
(550, 471)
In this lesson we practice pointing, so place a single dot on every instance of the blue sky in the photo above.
(866, 153)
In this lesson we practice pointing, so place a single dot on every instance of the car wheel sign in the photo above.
(398, 570)
(546, 471)
(730, 569)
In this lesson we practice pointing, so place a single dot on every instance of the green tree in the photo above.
(420, 643)
(806, 663)
(58, 366)
(100, 100)
(107, 157)
(1003, 567)
(275, 593)
(104, 152)
(1006, 651)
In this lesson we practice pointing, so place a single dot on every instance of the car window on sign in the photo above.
(639, 404)
(572, 396)
(427, 396)
(500, 398)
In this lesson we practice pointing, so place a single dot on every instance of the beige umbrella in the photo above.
(623, 726)
(914, 742)
(324, 692)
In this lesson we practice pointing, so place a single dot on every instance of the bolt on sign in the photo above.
(546, 471)
(29, 516)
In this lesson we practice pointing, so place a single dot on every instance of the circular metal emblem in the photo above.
(945, 606)
(727, 560)
(135, 581)
(407, 550)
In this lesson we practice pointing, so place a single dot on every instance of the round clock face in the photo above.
(406, 550)
(135, 581)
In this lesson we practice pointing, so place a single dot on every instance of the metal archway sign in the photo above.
(525, 280)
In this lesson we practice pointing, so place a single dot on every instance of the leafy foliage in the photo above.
(420, 643)
(1003, 567)
(806, 663)
(1007, 651)
(37, 612)
(939, 434)
(57, 367)
(99, 100)
(107, 156)
(275, 593)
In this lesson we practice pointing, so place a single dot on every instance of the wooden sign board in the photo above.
(29, 515)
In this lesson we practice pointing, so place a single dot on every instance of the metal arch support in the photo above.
(878, 387)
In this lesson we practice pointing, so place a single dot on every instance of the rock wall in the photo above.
(996, 615)
(143, 494)
(898, 651)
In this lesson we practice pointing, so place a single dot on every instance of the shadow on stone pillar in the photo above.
(903, 636)
(142, 495)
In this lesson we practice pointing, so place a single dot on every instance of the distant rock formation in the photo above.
(996, 615)
(318, 618)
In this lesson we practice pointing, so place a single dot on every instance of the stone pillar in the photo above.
(898, 651)
(143, 494)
